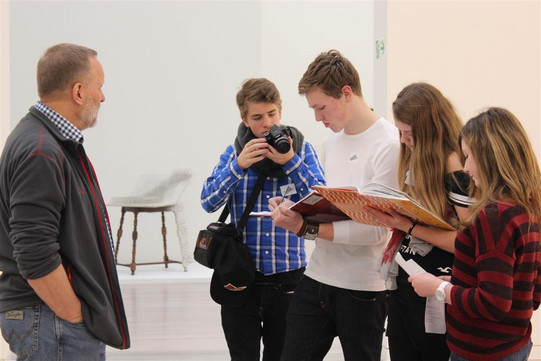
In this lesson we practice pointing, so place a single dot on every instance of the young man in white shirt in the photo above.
(341, 293)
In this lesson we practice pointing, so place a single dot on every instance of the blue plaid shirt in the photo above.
(68, 130)
(273, 249)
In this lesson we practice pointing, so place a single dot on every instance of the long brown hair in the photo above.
(435, 127)
(506, 164)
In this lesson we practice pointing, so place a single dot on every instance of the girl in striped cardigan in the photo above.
(496, 278)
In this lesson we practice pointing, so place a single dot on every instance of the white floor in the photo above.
(172, 317)
(182, 322)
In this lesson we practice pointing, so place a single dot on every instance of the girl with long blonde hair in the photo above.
(430, 170)
(496, 279)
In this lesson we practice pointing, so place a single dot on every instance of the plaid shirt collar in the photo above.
(68, 130)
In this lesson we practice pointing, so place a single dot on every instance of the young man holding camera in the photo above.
(279, 256)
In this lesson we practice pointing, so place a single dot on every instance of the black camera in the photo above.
(277, 137)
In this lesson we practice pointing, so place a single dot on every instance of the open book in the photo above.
(327, 204)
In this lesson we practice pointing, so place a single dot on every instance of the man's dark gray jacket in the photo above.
(52, 213)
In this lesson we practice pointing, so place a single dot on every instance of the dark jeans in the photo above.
(406, 334)
(318, 313)
(262, 317)
(520, 355)
(402, 349)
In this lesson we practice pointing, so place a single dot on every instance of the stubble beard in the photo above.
(89, 114)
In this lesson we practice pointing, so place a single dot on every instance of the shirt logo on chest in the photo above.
(445, 269)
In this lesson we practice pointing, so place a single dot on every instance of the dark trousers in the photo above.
(261, 318)
(318, 313)
(408, 340)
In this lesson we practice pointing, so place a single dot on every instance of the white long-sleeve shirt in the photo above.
(350, 261)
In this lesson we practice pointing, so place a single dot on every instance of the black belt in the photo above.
(282, 278)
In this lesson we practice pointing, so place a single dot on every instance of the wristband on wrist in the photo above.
(408, 235)
(311, 231)
(303, 228)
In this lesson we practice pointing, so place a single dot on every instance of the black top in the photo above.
(437, 261)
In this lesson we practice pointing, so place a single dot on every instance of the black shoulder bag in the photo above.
(221, 248)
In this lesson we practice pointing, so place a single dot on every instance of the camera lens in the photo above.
(277, 136)
(282, 145)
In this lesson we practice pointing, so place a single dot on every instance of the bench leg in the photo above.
(119, 233)
(164, 234)
(134, 237)
(181, 234)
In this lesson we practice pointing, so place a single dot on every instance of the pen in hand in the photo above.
(284, 195)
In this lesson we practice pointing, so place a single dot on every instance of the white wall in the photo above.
(172, 71)
(294, 33)
(479, 53)
(4, 98)
(4, 72)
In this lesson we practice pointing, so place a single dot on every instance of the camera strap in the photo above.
(249, 206)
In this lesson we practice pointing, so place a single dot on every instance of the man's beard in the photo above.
(89, 114)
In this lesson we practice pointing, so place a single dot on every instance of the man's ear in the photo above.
(346, 90)
(245, 122)
(77, 93)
